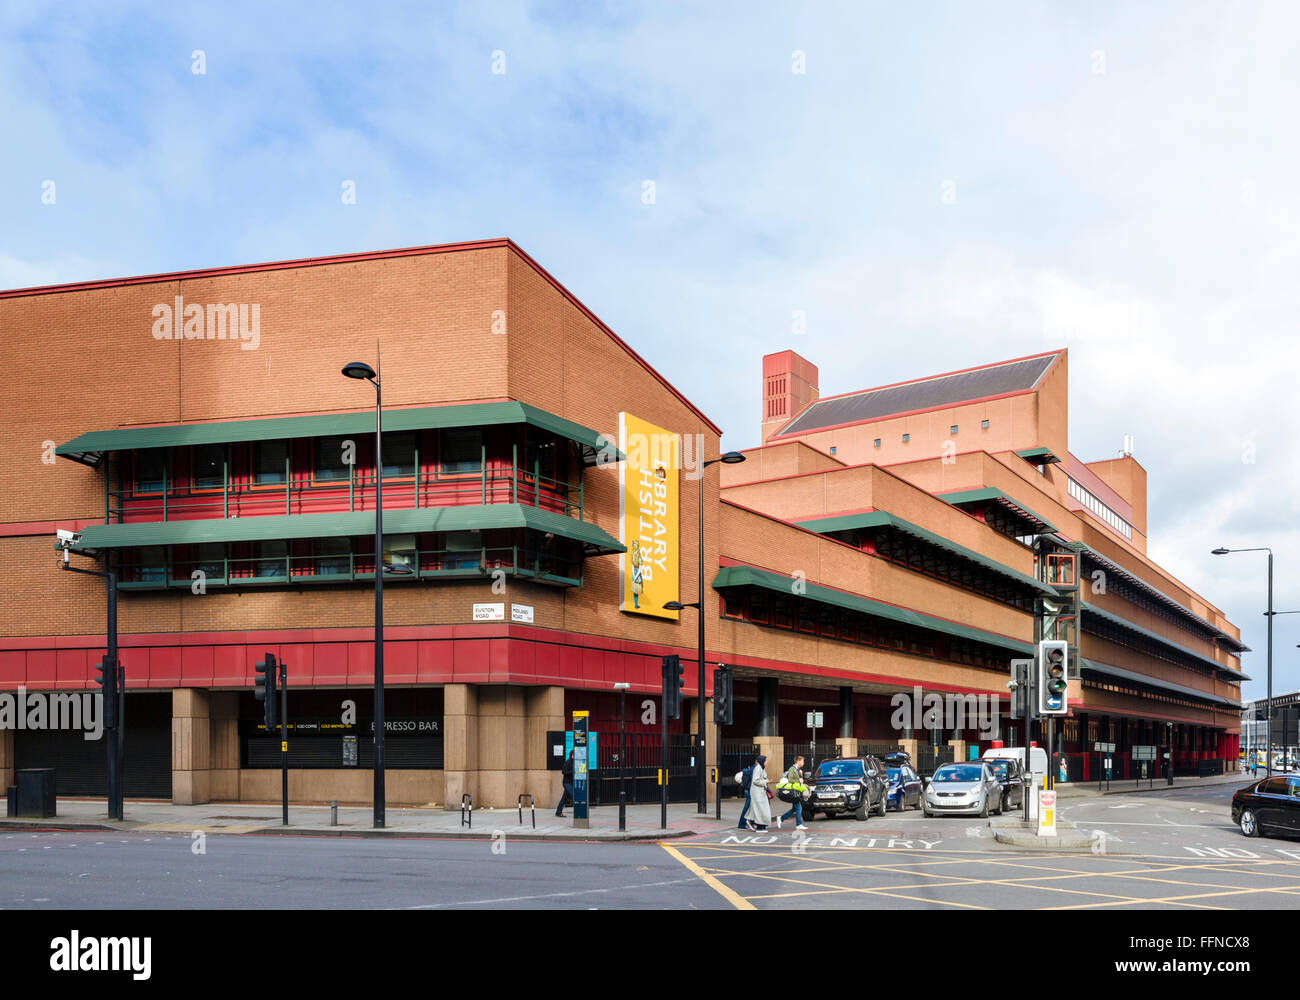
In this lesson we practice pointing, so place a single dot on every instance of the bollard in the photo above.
(334, 812)
(467, 810)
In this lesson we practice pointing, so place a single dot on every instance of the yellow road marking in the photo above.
(732, 897)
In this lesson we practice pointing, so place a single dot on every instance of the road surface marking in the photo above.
(732, 897)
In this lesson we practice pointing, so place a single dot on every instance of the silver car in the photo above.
(967, 789)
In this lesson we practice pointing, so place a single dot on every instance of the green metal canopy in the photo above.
(749, 576)
(1040, 454)
(1106, 670)
(595, 541)
(1124, 623)
(960, 497)
(880, 518)
(90, 448)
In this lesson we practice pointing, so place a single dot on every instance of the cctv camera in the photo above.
(68, 536)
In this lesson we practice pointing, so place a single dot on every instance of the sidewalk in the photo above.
(1128, 786)
(152, 816)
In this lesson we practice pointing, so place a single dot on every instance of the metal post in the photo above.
(121, 741)
(284, 744)
(622, 760)
(1268, 724)
(114, 754)
(379, 606)
(663, 762)
(701, 798)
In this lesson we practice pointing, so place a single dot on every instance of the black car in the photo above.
(1269, 806)
(1007, 771)
(854, 785)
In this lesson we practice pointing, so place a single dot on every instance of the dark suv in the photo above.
(854, 785)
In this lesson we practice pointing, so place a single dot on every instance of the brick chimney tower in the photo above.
(789, 384)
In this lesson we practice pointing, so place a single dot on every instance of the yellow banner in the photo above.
(648, 516)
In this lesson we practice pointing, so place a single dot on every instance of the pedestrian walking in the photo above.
(743, 779)
(566, 775)
(794, 777)
(759, 804)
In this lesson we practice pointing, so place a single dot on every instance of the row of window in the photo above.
(1007, 522)
(1086, 498)
(1153, 694)
(952, 431)
(1117, 585)
(932, 560)
(342, 557)
(796, 614)
(448, 452)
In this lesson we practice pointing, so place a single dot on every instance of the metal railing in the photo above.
(516, 560)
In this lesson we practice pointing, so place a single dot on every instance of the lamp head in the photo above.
(1220, 551)
(732, 458)
(674, 606)
(359, 370)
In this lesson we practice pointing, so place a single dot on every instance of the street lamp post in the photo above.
(701, 798)
(621, 687)
(1268, 720)
(361, 370)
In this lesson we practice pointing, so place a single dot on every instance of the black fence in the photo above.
(878, 749)
(929, 758)
(644, 756)
(813, 754)
(736, 755)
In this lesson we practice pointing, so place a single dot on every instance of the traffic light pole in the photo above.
(284, 744)
(663, 760)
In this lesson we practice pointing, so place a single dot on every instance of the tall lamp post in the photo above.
(621, 687)
(702, 800)
(361, 370)
(1268, 720)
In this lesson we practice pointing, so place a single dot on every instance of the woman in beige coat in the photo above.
(760, 809)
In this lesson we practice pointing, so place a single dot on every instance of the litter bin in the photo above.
(36, 792)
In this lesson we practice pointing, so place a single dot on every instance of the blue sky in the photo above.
(1124, 180)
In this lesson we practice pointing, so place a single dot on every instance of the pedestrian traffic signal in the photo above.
(107, 681)
(673, 680)
(1052, 684)
(264, 689)
(722, 696)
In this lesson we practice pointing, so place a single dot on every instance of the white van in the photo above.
(1038, 758)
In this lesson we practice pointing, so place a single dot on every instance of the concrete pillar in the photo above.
(460, 743)
(543, 713)
(768, 700)
(710, 742)
(191, 747)
(6, 758)
(223, 755)
(958, 749)
(910, 747)
(502, 746)
(846, 746)
(846, 711)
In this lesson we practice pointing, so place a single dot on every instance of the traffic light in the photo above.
(722, 696)
(673, 678)
(1052, 685)
(107, 681)
(264, 689)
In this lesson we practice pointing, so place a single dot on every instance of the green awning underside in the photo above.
(90, 447)
(961, 497)
(595, 541)
(882, 519)
(749, 576)
(1106, 670)
(1043, 455)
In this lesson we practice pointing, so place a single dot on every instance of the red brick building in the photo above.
(195, 428)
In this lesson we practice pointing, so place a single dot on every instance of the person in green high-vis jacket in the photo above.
(794, 776)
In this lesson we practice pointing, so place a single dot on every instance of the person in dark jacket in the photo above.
(566, 774)
(745, 778)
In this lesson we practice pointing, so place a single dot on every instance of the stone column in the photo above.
(460, 743)
(6, 758)
(710, 742)
(768, 700)
(543, 713)
(958, 749)
(191, 747)
(846, 746)
(773, 747)
(910, 747)
(223, 724)
(502, 746)
(846, 711)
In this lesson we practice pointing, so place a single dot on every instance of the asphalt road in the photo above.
(1164, 850)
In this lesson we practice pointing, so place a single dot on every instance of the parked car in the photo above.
(968, 789)
(904, 784)
(854, 785)
(1007, 771)
(1269, 806)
